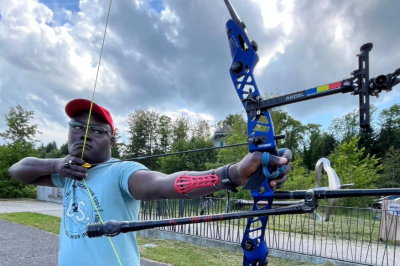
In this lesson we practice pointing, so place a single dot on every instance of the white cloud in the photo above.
(172, 20)
(51, 131)
(193, 116)
(277, 13)
(176, 61)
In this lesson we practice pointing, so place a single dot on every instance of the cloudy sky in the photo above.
(173, 56)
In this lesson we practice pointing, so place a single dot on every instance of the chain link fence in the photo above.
(355, 235)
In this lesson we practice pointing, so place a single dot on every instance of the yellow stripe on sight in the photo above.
(323, 88)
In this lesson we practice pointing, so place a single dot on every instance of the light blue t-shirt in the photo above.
(108, 184)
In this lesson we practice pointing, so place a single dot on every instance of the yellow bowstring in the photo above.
(87, 165)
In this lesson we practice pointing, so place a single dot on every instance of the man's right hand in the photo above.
(71, 167)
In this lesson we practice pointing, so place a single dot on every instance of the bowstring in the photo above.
(87, 128)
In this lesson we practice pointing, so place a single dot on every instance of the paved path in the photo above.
(23, 245)
(44, 207)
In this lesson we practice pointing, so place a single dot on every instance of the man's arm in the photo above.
(35, 171)
(150, 185)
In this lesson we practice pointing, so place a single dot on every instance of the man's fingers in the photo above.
(77, 160)
(275, 160)
(282, 159)
(78, 168)
(278, 182)
(70, 173)
(287, 154)
(287, 170)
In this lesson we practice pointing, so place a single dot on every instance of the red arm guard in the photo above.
(185, 183)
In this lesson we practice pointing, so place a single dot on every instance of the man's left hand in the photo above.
(242, 171)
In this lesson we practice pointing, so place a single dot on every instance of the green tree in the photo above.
(164, 133)
(352, 166)
(116, 149)
(19, 128)
(234, 154)
(300, 177)
(391, 169)
(191, 161)
(317, 144)
(229, 120)
(64, 149)
(51, 146)
(292, 129)
(20, 140)
(345, 127)
(389, 134)
(181, 129)
(41, 150)
(201, 129)
(142, 133)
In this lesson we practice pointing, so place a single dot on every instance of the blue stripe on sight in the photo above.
(311, 91)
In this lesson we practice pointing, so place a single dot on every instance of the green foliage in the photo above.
(391, 169)
(10, 154)
(181, 129)
(64, 149)
(234, 154)
(188, 162)
(319, 144)
(389, 134)
(230, 120)
(293, 130)
(164, 131)
(142, 133)
(20, 140)
(239, 135)
(19, 128)
(118, 146)
(300, 178)
(352, 166)
(345, 127)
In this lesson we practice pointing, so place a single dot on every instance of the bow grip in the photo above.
(264, 171)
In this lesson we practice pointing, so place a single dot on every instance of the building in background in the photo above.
(220, 134)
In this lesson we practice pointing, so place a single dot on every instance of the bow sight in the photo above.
(356, 84)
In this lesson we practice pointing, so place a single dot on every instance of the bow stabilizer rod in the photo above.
(310, 197)
(321, 193)
(114, 228)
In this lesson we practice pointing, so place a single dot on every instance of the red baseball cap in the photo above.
(77, 105)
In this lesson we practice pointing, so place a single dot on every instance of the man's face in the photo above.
(98, 146)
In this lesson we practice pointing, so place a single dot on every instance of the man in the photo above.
(117, 188)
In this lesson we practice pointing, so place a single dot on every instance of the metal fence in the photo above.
(351, 234)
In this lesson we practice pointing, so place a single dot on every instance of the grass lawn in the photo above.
(172, 252)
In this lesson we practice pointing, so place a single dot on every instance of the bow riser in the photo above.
(260, 131)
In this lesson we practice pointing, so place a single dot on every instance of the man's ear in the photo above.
(112, 141)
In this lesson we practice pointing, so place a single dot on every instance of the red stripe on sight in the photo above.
(335, 85)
